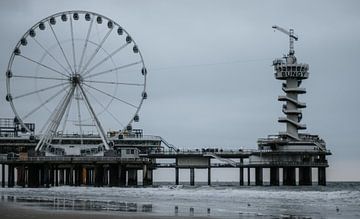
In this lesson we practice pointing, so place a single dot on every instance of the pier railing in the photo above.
(70, 159)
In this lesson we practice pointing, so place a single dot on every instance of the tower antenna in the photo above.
(291, 35)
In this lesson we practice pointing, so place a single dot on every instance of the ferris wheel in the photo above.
(76, 73)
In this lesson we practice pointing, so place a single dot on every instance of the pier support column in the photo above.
(45, 176)
(289, 176)
(20, 176)
(105, 176)
(209, 176)
(67, 177)
(52, 173)
(147, 176)
(99, 175)
(78, 175)
(122, 175)
(11, 177)
(192, 176)
(132, 177)
(274, 176)
(89, 177)
(322, 176)
(249, 176)
(83, 176)
(33, 176)
(114, 175)
(71, 176)
(259, 176)
(176, 176)
(305, 176)
(61, 177)
(3, 175)
(56, 176)
(241, 182)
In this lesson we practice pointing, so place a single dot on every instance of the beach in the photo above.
(14, 211)
(337, 200)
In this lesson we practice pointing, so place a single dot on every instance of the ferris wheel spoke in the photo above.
(65, 121)
(96, 51)
(105, 59)
(112, 96)
(95, 119)
(85, 44)
(104, 108)
(43, 103)
(62, 50)
(38, 77)
(113, 69)
(49, 54)
(55, 111)
(116, 83)
(45, 66)
(72, 42)
(77, 97)
(55, 120)
(39, 91)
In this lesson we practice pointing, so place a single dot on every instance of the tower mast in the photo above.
(292, 73)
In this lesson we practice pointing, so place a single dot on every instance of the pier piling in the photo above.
(274, 176)
(259, 176)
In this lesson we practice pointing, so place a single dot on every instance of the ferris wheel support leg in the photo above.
(95, 119)
(56, 119)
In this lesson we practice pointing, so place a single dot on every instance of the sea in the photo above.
(221, 200)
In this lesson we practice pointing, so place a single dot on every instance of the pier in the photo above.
(57, 133)
(46, 171)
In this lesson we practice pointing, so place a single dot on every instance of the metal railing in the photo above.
(70, 159)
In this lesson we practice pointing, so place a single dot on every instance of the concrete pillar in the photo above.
(52, 173)
(289, 176)
(76, 176)
(192, 176)
(11, 177)
(3, 175)
(46, 175)
(67, 177)
(21, 176)
(249, 176)
(56, 176)
(147, 176)
(99, 175)
(258, 176)
(322, 176)
(209, 176)
(105, 176)
(305, 176)
(88, 177)
(274, 176)
(70, 176)
(241, 174)
(33, 176)
(176, 176)
(132, 177)
(83, 176)
(122, 175)
(114, 175)
(41, 175)
(62, 174)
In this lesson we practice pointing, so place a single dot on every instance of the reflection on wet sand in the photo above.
(56, 203)
(79, 205)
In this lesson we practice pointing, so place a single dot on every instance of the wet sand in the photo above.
(17, 211)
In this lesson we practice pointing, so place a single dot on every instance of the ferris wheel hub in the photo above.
(76, 79)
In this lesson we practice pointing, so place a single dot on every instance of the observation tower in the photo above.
(292, 149)
(292, 73)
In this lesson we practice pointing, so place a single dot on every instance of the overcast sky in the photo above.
(210, 80)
